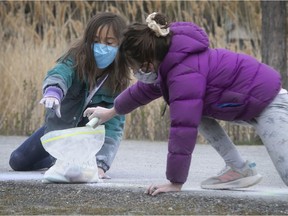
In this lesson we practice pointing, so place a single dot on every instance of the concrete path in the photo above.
(138, 164)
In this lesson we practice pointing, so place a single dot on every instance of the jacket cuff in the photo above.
(53, 91)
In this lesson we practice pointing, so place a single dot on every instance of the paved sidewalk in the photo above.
(138, 164)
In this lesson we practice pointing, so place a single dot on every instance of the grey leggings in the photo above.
(272, 128)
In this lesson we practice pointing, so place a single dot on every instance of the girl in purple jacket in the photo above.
(201, 85)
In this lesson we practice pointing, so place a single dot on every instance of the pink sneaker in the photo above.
(230, 178)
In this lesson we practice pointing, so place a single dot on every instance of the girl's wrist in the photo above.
(113, 112)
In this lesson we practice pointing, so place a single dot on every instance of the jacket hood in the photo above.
(188, 37)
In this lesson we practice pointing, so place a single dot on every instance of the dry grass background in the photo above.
(35, 33)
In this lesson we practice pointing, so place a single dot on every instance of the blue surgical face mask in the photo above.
(104, 54)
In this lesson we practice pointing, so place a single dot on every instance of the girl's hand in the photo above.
(52, 103)
(169, 187)
(103, 114)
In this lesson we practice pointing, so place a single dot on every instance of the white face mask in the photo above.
(149, 77)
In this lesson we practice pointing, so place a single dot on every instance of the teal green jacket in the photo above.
(72, 107)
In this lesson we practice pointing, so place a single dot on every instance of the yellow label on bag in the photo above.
(71, 135)
(61, 134)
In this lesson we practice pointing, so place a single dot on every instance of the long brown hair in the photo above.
(83, 56)
(140, 43)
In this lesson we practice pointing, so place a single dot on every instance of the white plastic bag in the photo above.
(74, 150)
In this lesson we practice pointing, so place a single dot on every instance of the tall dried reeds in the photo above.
(35, 33)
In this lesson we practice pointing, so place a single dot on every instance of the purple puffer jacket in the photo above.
(195, 81)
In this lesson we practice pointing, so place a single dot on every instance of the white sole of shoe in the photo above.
(240, 183)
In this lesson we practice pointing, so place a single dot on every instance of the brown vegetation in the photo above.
(35, 33)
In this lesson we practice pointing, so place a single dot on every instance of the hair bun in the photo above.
(159, 29)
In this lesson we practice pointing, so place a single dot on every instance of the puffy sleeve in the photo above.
(186, 92)
(135, 96)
